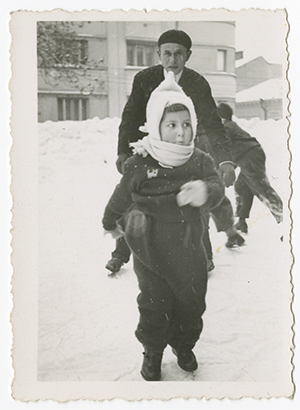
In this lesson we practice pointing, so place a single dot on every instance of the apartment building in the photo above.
(96, 79)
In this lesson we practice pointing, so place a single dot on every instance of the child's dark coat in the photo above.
(166, 242)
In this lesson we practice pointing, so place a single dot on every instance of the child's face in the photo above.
(176, 128)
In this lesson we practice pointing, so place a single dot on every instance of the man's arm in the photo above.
(133, 116)
(209, 120)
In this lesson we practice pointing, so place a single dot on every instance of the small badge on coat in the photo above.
(152, 173)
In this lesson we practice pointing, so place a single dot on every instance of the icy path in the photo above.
(87, 319)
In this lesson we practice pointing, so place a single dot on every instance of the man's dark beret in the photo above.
(175, 36)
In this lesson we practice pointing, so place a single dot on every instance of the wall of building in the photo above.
(47, 107)
(268, 109)
(207, 38)
(108, 85)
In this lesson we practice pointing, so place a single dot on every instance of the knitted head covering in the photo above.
(175, 36)
(166, 153)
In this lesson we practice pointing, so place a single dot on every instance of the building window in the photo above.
(140, 54)
(221, 60)
(72, 108)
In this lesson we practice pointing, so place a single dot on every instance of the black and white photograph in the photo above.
(152, 223)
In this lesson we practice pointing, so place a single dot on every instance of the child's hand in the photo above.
(120, 163)
(115, 233)
(192, 193)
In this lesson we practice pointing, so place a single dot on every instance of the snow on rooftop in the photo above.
(267, 90)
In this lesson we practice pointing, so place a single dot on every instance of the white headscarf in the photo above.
(166, 153)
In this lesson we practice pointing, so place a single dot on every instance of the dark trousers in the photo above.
(223, 215)
(253, 181)
(171, 267)
(207, 244)
(168, 314)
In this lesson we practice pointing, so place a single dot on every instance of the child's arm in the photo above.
(214, 184)
(207, 191)
(116, 233)
(120, 201)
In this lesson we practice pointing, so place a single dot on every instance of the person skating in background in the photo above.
(161, 202)
(248, 154)
(174, 50)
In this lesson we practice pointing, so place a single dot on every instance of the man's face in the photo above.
(173, 56)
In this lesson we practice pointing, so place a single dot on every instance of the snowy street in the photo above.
(87, 319)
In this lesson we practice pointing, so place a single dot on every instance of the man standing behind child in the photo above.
(174, 50)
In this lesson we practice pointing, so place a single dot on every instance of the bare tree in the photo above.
(62, 56)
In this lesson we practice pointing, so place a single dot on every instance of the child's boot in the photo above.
(186, 359)
(151, 367)
(242, 225)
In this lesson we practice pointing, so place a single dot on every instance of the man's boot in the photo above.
(151, 367)
(114, 265)
(234, 239)
(241, 225)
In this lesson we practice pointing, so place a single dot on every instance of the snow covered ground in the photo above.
(87, 319)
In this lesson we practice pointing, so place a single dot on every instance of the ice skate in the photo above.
(235, 240)
(151, 367)
(241, 226)
(186, 359)
(114, 265)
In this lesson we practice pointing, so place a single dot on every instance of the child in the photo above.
(248, 154)
(165, 190)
